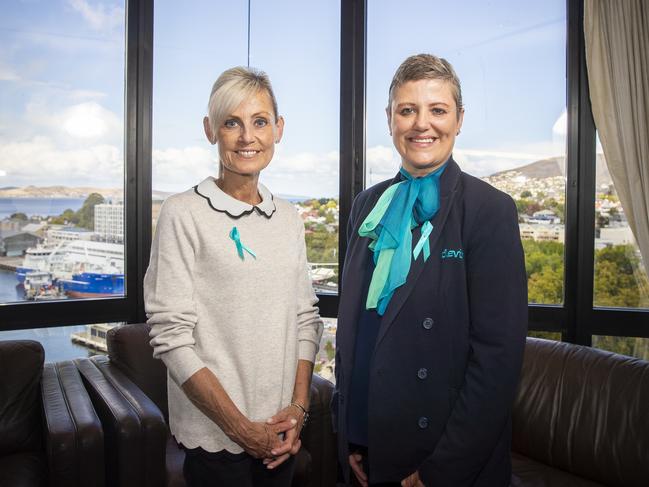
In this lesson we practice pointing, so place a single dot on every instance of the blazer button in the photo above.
(422, 373)
(423, 422)
(427, 323)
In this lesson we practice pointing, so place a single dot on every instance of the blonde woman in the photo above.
(230, 302)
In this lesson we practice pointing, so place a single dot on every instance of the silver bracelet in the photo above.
(305, 413)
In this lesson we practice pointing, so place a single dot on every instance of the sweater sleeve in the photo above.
(168, 292)
(309, 324)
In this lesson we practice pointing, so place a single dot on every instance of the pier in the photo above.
(11, 263)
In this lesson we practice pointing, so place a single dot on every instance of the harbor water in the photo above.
(56, 341)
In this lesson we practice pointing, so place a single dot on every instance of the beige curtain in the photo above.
(617, 58)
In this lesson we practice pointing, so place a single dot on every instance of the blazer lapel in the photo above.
(352, 297)
(448, 189)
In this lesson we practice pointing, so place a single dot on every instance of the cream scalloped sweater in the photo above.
(248, 321)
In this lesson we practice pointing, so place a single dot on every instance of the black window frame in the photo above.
(138, 82)
(576, 319)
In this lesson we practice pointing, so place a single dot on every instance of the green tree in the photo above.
(546, 286)
(68, 216)
(526, 194)
(86, 215)
(321, 245)
(527, 207)
(544, 268)
(19, 216)
(329, 348)
(618, 282)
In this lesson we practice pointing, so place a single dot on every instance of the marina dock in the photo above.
(11, 263)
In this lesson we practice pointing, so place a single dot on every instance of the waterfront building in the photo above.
(16, 243)
(109, 222)
(57, 234)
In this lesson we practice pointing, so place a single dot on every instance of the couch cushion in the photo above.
(583, 411)
(129, 350)
(23, 470)
(529, 473)
(21, 363)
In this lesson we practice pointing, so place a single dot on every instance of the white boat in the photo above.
(81, 256)
(42, 258)
(80, 268)
(38, 286)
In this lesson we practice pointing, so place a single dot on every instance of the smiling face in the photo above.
(246, 139)
(424, 121)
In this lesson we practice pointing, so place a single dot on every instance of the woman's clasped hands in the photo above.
(287, 423)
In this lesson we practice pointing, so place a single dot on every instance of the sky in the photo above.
(62, 85)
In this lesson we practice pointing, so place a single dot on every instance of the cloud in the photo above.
(41, 161)
(304, 163)
(7, 73)
(85, 94)
(303, 173)
(560, 127)
(88, 120)
(100, 17)
(178, 169)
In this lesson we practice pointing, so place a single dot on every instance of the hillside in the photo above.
(552, 167)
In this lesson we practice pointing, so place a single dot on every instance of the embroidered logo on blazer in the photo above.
(452, 254)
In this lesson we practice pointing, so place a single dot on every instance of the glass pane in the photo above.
(304, 66)
(631, 346)
(548, 335)
(61, 150)
(66, 342)
(620, 275)
(511, 63)
(325, 360)
(304, 169)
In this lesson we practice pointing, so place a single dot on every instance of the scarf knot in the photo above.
(401, 207)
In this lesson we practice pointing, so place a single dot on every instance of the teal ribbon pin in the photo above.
(234, 235)
(423, 243)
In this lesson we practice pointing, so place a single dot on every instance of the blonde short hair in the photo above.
(427, 66)
(231, 88)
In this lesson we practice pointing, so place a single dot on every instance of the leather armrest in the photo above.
(134, 427)
(74, 439)
(318, 436)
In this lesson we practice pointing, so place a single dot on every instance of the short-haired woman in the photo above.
(433, 314)
(230, 303)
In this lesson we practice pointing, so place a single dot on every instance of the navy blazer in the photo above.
(447, 359)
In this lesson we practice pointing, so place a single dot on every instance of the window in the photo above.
(620, 276)
(631, 346)
(61, 150)
(70, 54)
(66, 342)
(547, 335)
(511, 64)
(302, 63)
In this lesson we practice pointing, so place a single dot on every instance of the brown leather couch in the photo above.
(581, 418)
(49, 432)
(128, 388)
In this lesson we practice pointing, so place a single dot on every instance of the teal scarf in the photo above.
(401, 207)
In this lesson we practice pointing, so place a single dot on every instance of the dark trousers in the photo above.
(225, 469)
(366, 468)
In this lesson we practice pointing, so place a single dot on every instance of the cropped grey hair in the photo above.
(233, 87)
